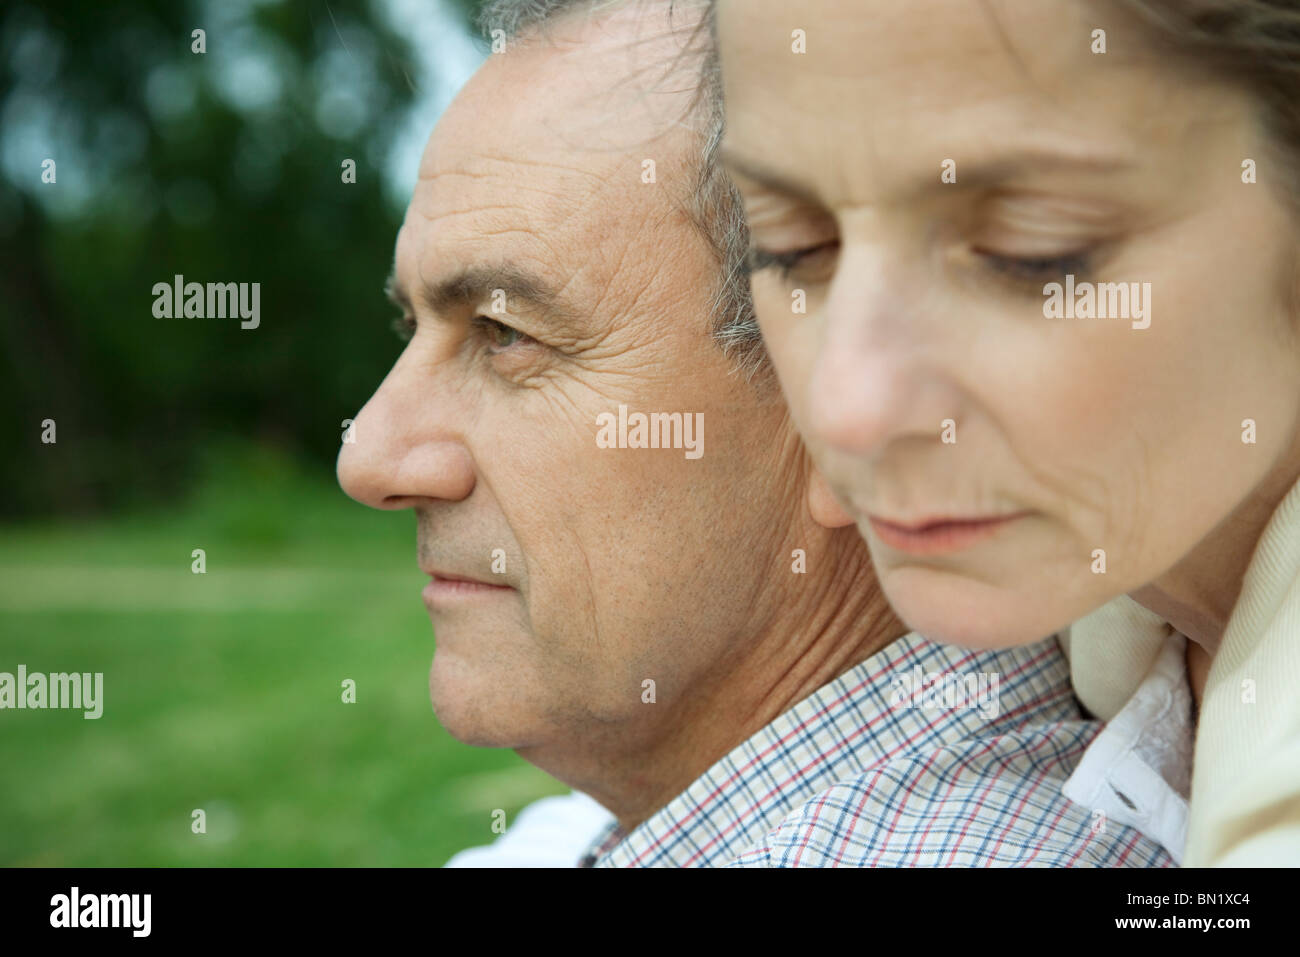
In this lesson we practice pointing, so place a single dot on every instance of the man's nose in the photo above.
(875, 378)
(406, 446)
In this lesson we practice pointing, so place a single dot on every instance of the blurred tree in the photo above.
(222, 166)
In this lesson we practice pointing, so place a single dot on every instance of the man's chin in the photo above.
(475, 711)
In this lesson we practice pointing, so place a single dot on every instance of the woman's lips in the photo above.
(939, 536)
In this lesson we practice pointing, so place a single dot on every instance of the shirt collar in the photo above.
(1137, 771)
(912, 694)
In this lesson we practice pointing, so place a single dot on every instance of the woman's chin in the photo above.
(968, 613)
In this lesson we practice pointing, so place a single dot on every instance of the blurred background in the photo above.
(222, 690)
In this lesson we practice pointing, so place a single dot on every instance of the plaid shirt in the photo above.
(877, 769)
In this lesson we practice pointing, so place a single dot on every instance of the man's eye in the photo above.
(787, 262)
(404, 327)
(499, 335)
(1036, 270)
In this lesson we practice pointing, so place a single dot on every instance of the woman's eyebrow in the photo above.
(999, 169)
(976, 174)
(755, 171)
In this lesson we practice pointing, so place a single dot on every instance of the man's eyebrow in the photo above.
(976, 174)
(473, 284)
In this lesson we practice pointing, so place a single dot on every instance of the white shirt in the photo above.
(552, 832)
(1138, 770)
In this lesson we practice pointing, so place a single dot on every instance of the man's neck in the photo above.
(825, 634)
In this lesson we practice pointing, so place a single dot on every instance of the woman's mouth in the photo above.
(939, 536)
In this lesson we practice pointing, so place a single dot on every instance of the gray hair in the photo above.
(713, 204)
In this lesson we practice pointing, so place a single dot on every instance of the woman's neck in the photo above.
(1197, 596)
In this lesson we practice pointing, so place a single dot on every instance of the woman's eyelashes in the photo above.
(1032, 271)
(786, 263)
(1020, 271)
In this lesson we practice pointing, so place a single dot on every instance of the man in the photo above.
(638, 581)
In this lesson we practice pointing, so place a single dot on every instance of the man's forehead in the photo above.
(541, 212)
(541, 156)
(585, 93)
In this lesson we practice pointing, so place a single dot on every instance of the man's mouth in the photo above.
(940, 535)
(448, 588)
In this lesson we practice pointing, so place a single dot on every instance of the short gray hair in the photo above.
(714, 205)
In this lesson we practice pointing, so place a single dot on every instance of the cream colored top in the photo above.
(1245, 807)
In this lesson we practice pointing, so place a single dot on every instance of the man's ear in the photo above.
(822, 503)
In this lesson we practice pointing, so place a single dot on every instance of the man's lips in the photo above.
(438, 575)
(447, 587)
(940, 535)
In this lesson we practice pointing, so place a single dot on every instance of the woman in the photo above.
(1029, 271)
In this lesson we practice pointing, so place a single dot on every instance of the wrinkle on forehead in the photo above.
(975, 80)
(573, 114)
(593, 92)
(504, 184)
(539, 160)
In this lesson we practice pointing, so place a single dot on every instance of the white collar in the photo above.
(1137, 771)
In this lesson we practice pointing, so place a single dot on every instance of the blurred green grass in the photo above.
(222, 691)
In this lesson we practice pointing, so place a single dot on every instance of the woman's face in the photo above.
(913, 182)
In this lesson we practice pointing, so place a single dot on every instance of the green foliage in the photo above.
(222, 167)
(222, 690)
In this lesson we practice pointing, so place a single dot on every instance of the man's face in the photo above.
(921, 176)
(620, 564)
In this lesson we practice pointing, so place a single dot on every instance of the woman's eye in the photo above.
(499, 335)
(1035, 270)
(787, 262)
